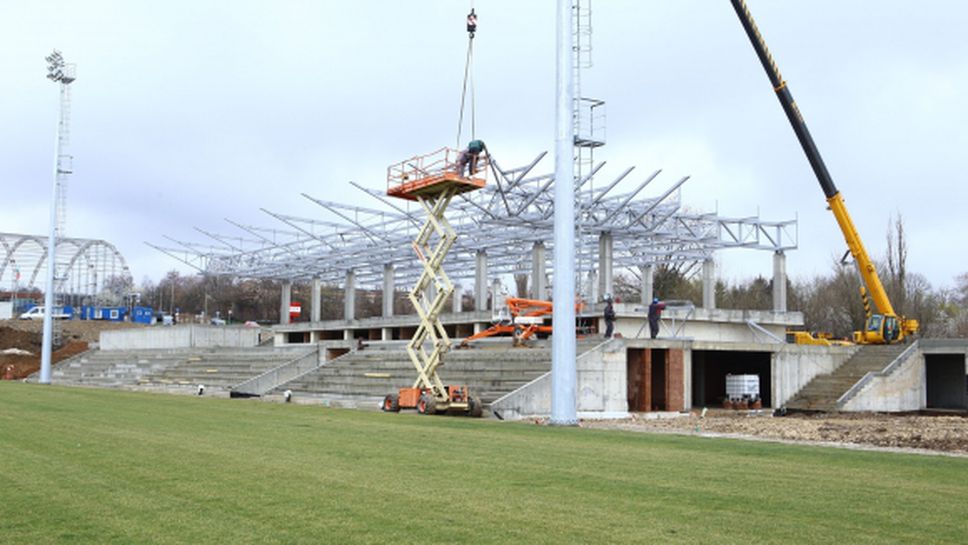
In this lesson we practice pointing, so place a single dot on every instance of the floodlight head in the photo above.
(56, 68)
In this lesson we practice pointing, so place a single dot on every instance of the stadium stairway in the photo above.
(361, 379)
(822, 393)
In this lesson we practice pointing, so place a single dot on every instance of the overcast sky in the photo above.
(188, 112)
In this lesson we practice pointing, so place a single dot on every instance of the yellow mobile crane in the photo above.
(886, 326)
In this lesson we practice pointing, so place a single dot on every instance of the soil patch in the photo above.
(28, 335)
(936, 433)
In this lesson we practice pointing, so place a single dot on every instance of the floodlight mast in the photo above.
(563, 357)
(60, 72)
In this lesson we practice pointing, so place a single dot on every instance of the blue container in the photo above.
(141, 315)
(113, 314)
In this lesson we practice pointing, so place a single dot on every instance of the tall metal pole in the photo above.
(563, 363)
(57, 74)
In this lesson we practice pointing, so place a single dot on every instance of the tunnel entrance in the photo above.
(655, 379)
(946, 381)
(710, 367)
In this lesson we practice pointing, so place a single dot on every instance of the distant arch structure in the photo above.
(84, 267)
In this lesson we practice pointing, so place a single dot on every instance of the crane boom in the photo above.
(886, 327)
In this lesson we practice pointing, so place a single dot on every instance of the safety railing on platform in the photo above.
(433, 164)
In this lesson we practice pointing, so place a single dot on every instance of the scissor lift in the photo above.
(432, 180)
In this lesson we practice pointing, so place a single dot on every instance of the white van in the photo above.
(37, 313)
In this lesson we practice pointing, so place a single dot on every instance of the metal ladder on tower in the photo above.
(588, 117)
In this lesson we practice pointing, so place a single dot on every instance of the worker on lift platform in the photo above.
(467, 160)
(472, 23)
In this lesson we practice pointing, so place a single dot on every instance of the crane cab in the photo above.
(880, 329)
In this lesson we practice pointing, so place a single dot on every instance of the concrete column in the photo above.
(497, 300)
(457, 298)
(349, 297)
(708, 284)
(779, 282)
(520, 285)
(648, 277)
(605, 264)
(592, 282)
(539, 278)
(285, 301)
(480, 280)
(388, 289)
(315, 310)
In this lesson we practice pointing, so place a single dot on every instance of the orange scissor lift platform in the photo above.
(431, 175)
(432, 180)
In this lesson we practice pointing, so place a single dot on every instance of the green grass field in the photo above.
(99, 466)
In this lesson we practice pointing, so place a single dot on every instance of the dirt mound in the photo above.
(88, 331)
(15, 366)
(939, 433)
(28, 335)
(15, 338)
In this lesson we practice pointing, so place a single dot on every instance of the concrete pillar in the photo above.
(520, 285)
(539, 278)
(648, 277)
(497, 298)
(779, 282)
(708, 284)
(349, 297)
(605, 264)
(285, 301)
(592, 283)
(388, 290)
(315, 310)
(480, 280)
(457, 298)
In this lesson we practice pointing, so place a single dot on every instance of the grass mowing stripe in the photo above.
(173, 469)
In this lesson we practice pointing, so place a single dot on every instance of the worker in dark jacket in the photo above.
(609, 317)
(655, 313)
(467, 160)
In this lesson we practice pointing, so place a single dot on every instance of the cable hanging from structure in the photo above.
(468, 79)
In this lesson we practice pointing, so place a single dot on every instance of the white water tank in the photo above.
(739, 387)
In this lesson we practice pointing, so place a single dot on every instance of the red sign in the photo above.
(295, 309)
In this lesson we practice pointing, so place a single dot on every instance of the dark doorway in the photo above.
(659, 380)
(710, 367)
(946, 381)
(655, 379)
(297, 337)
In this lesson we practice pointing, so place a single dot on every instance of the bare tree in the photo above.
(897, 287)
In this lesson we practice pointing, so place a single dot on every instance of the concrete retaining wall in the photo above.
(712, 325)
(900, 388)
(183, 336)
(600, 391)
(793, 366)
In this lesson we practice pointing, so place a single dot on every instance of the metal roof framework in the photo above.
(83, 266)
(504, 220)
